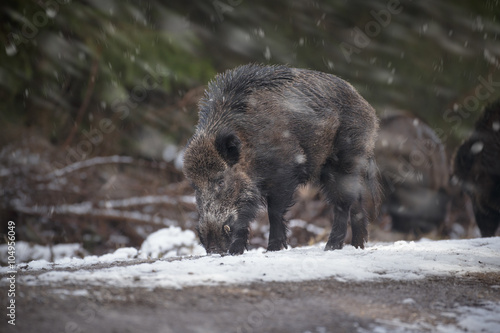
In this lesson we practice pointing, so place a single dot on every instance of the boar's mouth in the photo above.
(215, 237)
(212, 248)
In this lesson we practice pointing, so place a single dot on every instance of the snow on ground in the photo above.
(399, 261)
(170, 242)
(483, 318)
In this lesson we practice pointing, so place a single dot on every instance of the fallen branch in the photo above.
(89, 163)
(87, 208)
(145, 200)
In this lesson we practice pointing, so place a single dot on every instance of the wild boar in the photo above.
(265, 130)
(477, 169)
(414, 170)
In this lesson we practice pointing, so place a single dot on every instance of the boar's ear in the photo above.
(228, 145)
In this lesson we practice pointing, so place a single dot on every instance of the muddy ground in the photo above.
(316, 306)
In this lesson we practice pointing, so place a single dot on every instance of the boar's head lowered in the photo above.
(226, 198)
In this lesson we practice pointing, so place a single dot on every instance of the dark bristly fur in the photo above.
(265, 130)
(477, 169)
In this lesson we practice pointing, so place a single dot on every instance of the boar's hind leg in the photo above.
(276, 207)
(343, 191)
(359, 224)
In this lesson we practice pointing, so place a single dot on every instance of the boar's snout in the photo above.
(215, 237)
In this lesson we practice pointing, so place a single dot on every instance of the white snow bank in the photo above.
(167, 242)
(170, 242)
(26, 252)
(399, 261)
(481, 318)
(122, 254)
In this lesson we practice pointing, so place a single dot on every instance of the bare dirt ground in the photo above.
(316, 306)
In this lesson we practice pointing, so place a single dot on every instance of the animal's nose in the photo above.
(215, 250)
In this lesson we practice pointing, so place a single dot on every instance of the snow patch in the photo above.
(170, 152)
(296, 223)
(496, 126)
(78, 292)
(167, 242)
(170, 242)
(122, 254)
(481, 318)
(477, 147)
(408, 301)
(382, 261)
(26, 252)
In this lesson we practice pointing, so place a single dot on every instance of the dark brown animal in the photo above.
(477, 169)
(414, 171)
(263, 131)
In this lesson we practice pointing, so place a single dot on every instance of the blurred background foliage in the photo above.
(71, 63)
(83, 79)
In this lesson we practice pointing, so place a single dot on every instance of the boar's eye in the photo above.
(220, 183)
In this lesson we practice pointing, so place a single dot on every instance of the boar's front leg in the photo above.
(277, 204)
(239, 244)
(487, 220)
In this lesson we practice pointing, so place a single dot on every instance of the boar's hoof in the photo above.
(237, 247)
(358, 244)
(277, 245)
(333, 246)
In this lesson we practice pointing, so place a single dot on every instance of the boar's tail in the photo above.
(373, 196)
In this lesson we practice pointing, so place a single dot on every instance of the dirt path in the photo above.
(319, 306)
